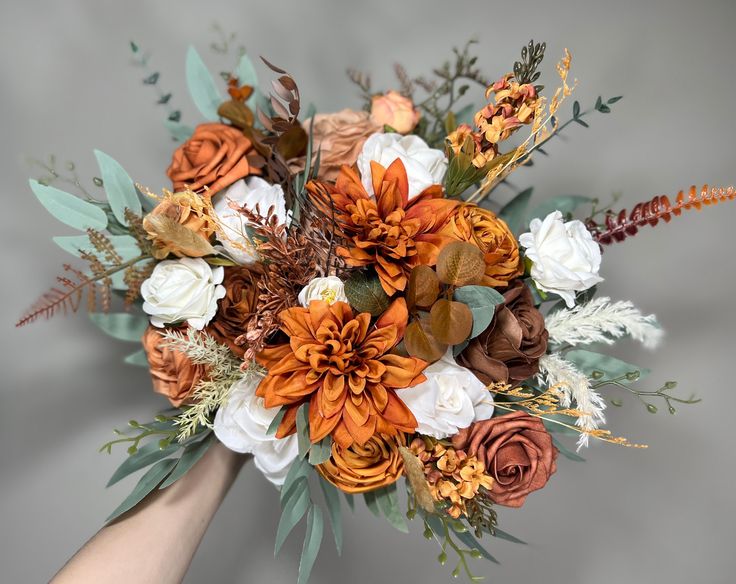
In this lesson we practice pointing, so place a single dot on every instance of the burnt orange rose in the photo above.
(492, 236)
(517, 452)
(173, 373)
(236, 308)
(214, 157)
(358, 469)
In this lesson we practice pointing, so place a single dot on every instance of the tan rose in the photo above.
(340, 137)
(395, 110)
(173, 373)
(517, 452)
(214, 157)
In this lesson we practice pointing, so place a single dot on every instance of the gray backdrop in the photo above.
(660, 515)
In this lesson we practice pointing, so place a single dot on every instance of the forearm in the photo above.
(156, 541)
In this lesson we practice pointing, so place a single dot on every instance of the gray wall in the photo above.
(660, 515)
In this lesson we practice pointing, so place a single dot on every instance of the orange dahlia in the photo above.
(344, 369)
(390, 232)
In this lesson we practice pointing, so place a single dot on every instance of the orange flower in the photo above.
(390, 232)
(492, 236)
(358, 469)
(394, 110)
(342, 366)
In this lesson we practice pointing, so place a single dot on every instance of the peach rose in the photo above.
(395, 110)
(214, 157)
(173, 373)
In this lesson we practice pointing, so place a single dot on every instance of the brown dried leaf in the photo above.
(420, 343)
(414, 470)
(237, 112)
(423, 288)
(460, 264)
(178, 236)
(293, 142)
(451, 322)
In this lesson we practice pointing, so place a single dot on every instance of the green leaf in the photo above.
(365, 293)
(246, 73)
(465, 115)
(119, 187)
(589, 361)
(121, 326)
(471, 543)
(614, 99)
(138, 359)
(124, 245)
(144, 456)
(332, 499)
(293, 509)
(302, 429)
(149, 481)
(179, 132)
(202, 86)
(372, 503)
(482, 302)
(576, 109)
(276, 422)
(389, 505)
(514, 211)
(500, 534)
(312, 543)
(564, 203)
(350, 500)
(299, 470)
(566, 452)
(192, 453)
(321, 451)
(69, 209)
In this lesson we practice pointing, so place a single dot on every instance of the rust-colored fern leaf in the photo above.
(66, 298)
(134, 278)
(104, 246)
(618, 226)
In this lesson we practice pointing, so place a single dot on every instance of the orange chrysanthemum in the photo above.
(343, 367)
(389, 232)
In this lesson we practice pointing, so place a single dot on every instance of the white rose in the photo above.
(450, 399)
(330, 289)
(242, 425)
(255, 193)
(565, 257)
(425, 166)
(180, 290)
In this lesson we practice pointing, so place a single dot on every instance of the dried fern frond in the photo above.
(66, 298)
(618, 226)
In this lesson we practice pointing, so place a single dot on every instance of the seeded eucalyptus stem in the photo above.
(640, 394)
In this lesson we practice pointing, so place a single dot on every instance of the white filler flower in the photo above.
(425, 166)
(255, 194)
(450, 399)
(242, 425)
(330, 289)
(181, 290)
(565, 257)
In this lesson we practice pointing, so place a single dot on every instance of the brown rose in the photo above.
(340, 137)
(517, 451)
(358, 469)
(492, 236)
(509, 349)
(214, 157)
(173, 373)
(236, 308)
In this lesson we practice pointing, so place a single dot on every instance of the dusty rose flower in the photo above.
(517, 452)
(340, 137)
(173, 373)
(214, 157)
(395, 110)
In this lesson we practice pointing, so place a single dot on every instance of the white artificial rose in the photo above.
(450, 399)
(181, 290)
(330, 289)
(565, 257)
(257, 196)
(425, 166)
(242, 426)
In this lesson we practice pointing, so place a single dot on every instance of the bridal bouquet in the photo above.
(361, 300)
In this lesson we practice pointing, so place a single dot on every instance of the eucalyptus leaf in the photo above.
(365, 293)
(293, 509)
(119, 187)
(370, 500)
(246, 73)
(389, 505)
(482, 302)
(302, 429)
(472, 543)
(179, 132)
(121, 326)
(566, 452)
(350, 500)
(202, 86)
(514, 212)
(138, 359)
(299, 469)
(321, 451)
(144, 456)
(589, 361)
(564, 203)
(192, 453)
(149, 481)
(332, 499)
(312, 543)
(276, 422)
(69, 209)
(125, 245)
(501, 534)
